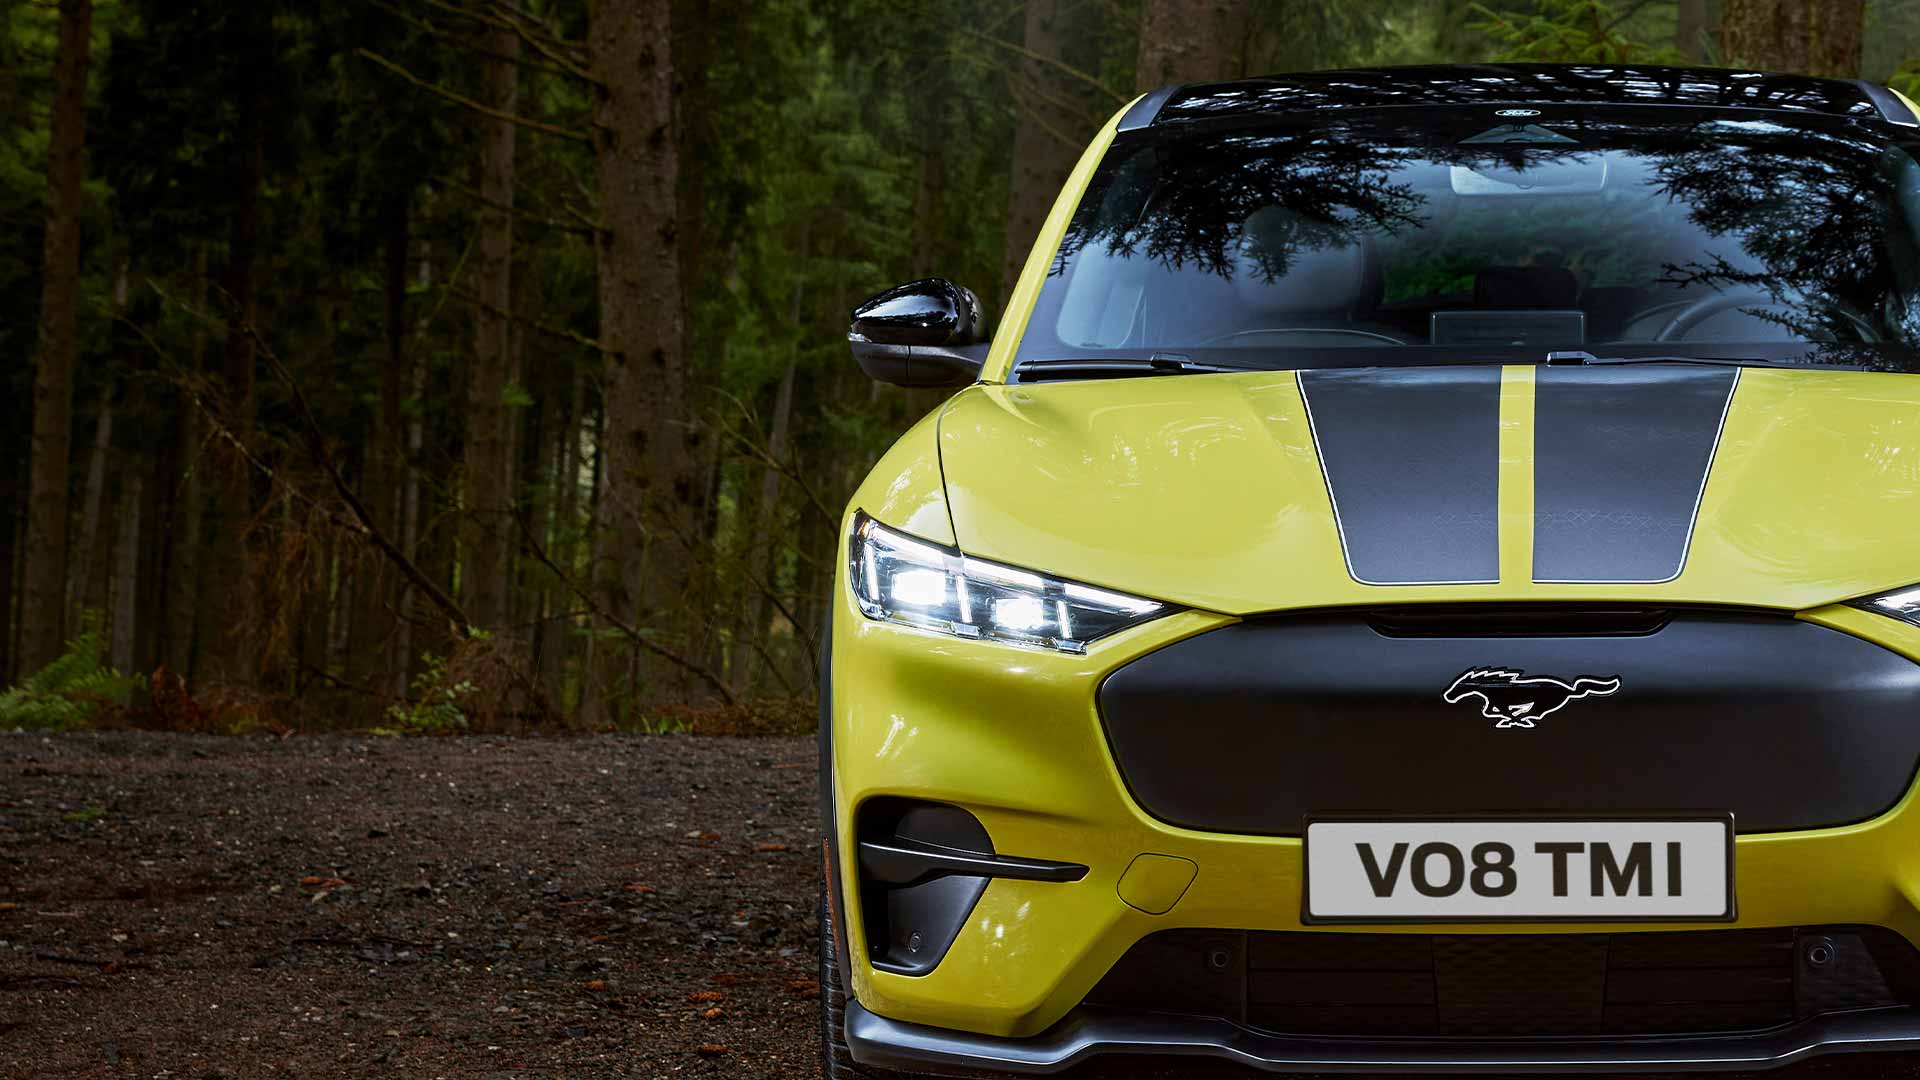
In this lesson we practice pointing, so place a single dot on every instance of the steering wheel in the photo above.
(1219, 339)
(1699, 311)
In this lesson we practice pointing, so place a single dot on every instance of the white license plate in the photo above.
(1502, 870)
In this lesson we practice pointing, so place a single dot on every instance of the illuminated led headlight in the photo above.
(1902, 604)
(897, 578)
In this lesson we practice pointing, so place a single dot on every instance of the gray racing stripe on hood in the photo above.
(1621, 457)
(1412, 464)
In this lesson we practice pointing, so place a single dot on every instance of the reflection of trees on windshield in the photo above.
(1187, 205)
(1810, 210)
(1799, 213)
(1509, 84)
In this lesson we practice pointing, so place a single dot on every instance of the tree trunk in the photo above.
(8, 565)
(9, 556)
(1805, 37)
(231, 601)
(650, 492)
(1050, 130)
(82, 573)
(369, 650)
(693, 32)
(1186, 41)
(409, 465)
(126, 571)
(594, 704)
(44, 610)
(487, 491)
(149, 635)
(753, 626)
(185, 601)
(557, 640)
(1696, 26)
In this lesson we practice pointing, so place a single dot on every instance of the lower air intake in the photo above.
(1515, 985)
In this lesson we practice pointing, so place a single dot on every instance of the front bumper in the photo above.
(1014, 737)
(1085, 1034)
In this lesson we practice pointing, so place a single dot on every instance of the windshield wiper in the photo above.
(1118, 367)
(1579, 358)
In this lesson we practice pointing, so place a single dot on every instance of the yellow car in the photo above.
(1423, 578)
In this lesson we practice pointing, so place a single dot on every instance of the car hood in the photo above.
(1261, 491)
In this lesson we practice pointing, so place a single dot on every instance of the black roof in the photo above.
(1518, 85)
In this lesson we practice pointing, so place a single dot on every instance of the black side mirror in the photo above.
(924, 333)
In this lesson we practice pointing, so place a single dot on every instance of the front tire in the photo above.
(836, 1061)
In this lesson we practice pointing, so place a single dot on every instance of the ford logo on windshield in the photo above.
(1517, 112)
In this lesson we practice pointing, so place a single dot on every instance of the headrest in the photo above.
(1289, 263)
(1499, 287)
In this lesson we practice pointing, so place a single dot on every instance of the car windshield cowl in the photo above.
(1380, 240)
(1107, 364)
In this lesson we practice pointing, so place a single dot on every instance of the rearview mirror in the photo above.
(924, 333)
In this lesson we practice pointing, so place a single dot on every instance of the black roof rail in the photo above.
(1145, 109)
(1892, 109)
(1519, 85)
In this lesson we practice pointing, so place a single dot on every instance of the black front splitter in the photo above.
(1087, 1034)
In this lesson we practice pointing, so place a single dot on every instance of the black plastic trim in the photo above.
(1549, 87)
(1088, 1033)
(904, 862)
(920, 365)
(1146, 109)
(923, 866)
(1892, 109)
(1249, 727)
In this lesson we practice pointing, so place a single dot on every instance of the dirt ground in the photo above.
(204, 907)
(189, 907)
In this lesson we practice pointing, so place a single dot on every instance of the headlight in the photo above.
(1902, 604)
(897, 578)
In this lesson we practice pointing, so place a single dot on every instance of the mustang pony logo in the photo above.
(1516, 701)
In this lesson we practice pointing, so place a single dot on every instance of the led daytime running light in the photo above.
(902, 579)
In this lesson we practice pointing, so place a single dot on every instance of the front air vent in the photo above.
(1517, 620)
(922, 869)
(1514, 985)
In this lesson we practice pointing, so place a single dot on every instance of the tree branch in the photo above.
(539, 554)
(576, 337)
(440, 91)
(539, 44)
(458, 42)
(527, 216)
(1065, 69)
(760, 453)
(317, 445)
(799, 629)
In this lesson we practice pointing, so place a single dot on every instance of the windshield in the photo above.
(1427, 236)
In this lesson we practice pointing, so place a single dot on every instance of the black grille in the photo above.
(1517, 620)
(1253, 727)
(1515, 985)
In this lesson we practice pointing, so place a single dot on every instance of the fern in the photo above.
(1907, 79)
(71, 691)
(1568, 31)
(435, 708)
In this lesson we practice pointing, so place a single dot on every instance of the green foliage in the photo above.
(435, 708)
(1906, 79)
(1569, 31)
(70, 692)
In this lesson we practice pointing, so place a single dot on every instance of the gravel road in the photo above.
(199, 908)
(215, 907)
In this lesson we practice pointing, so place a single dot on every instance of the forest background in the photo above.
(436, 365)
